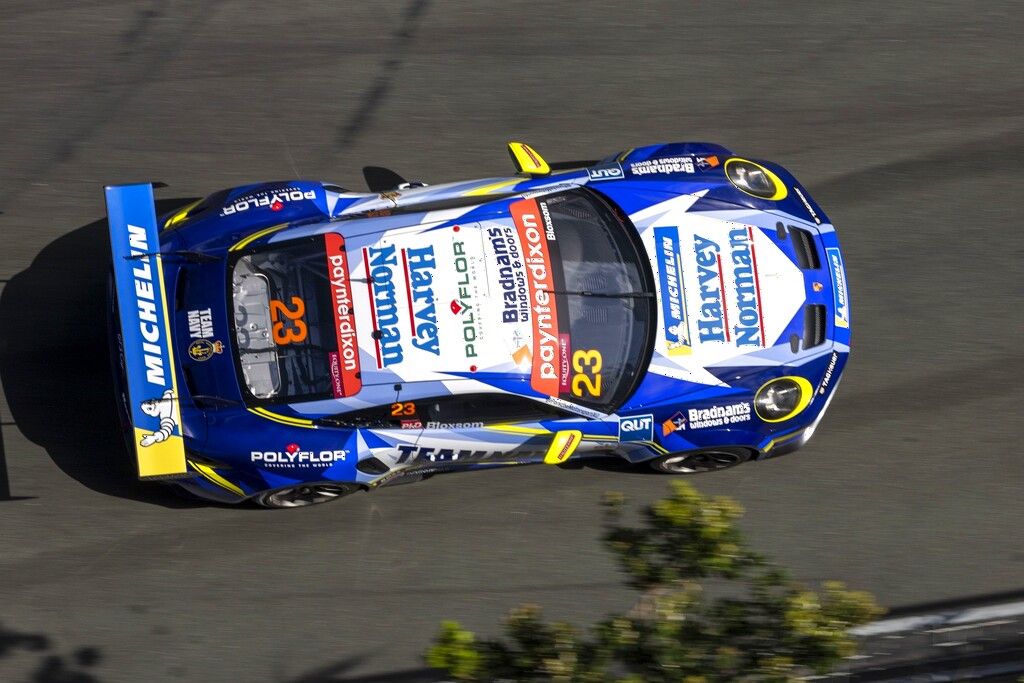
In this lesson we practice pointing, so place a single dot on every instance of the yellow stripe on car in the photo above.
(211, 474)
(487, 189)
(533, 431)
(785, 437)
(180, 215)
(282, 419)
(256, 235)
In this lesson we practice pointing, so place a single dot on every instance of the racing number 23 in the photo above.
(404, 409)
(294, 333)
(587, 365)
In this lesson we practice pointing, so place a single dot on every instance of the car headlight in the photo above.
(782, 398)
(755, 179)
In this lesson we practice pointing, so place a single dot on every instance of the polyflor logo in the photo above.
(466, 275)
(294, 456)
(273, 199)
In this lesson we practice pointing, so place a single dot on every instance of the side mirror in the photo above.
(526, 160)
(564, 445)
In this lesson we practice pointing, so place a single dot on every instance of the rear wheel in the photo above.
(695, 462)
(303, 495)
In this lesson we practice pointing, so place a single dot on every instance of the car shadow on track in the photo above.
(48, 666)
(55, 364)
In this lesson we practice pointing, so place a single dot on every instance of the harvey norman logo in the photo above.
(636, 428)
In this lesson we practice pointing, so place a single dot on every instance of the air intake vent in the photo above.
(814, 325)
(180, 290)
(190, 382)
(806, 252)
(371, 465)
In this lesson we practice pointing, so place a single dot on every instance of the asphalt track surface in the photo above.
(905, 120)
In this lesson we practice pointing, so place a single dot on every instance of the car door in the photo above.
(489, 429)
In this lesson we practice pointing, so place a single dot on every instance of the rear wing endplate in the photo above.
(145, 332)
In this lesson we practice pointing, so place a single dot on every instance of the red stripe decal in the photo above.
(408, 293)
(757, 285)
(725, 298)
(373, 307)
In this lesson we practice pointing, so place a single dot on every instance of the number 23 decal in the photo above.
(403, 409)
(294, 333)
(587, 365)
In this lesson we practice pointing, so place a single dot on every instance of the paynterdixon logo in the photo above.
(636, 428)
(842, 304)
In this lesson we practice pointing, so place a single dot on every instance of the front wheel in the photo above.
(303, 495)
(695, 462)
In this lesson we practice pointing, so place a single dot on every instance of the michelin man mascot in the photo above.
(162, 408)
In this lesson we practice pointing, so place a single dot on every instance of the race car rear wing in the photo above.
(145, 332)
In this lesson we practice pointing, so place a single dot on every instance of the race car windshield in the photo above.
(604, 298)
(286, 329)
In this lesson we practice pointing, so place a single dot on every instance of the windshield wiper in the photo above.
(216, 401)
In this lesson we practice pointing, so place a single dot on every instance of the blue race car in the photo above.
(292, 342)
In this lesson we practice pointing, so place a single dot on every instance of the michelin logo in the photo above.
(636, 428)
(842, 306)
(162, 408)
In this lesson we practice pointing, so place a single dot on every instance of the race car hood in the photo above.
(740, 291)
(727, 289)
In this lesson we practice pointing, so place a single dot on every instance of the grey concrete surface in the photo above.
(904, 119)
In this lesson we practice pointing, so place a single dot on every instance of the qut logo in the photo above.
(636, 428)
(605, 172)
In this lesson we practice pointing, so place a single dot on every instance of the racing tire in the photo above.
(697, 462)
(304, 495)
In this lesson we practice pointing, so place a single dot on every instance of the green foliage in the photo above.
(759, 626)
